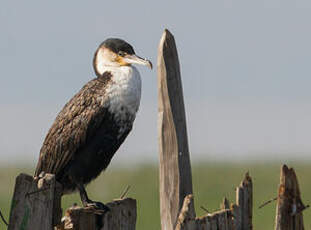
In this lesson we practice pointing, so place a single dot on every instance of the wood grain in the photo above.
(244, 202)
(36, 204)
(289, 204)
(175, 168)
(122, 216)
(186, 219)
(230, 217)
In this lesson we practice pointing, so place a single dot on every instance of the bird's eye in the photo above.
(121, 53)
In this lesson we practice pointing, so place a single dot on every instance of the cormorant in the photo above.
(94, 123)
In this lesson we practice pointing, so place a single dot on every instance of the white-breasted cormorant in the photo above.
(94, 123)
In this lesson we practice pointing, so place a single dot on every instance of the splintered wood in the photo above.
(122, 216)
(221, 220)
(289, 205)
(244, 201)
(236, 217)
(36, 203)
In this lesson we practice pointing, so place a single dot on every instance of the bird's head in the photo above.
(115, 52)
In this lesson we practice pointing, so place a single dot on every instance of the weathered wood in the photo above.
(225, 204)
(220, 220)
(230, 217)
(187, 221)
(244, 199)
(213, 221)
(122, 216)
(175, 168)
(36, 204)
(223, 220)
(78, 218)
(235, 217)
(289, 205)
(186, 218)
(203, 223)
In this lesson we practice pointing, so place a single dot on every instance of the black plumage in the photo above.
(118, 45)
(83, 138)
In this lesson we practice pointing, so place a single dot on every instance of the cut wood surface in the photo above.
(36, 204)
(175, 168)
(122, 216)
(289, 205)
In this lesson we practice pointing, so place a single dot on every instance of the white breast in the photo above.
(124, 92)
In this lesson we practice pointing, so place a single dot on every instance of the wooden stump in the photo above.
(220, 220)
(36, 204)
(289, 205)
(235, 217)
(122, 216)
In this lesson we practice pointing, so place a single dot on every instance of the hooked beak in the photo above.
(134, 59)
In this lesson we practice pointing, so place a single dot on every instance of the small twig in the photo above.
(126, 190)
(205, 209)
(267, 202)
(300, 210)
(37, 191)
(2, 217)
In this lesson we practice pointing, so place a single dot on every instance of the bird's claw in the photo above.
(98, 206)
(40, 176)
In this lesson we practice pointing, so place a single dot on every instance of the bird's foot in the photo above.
(98, 206)
(40, 180)
(40, 176)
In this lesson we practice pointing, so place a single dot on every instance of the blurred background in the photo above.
(246, 77)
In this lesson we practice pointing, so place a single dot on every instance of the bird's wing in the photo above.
(71, 128)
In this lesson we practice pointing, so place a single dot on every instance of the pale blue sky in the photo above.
(245, 67)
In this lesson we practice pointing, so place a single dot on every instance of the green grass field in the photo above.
(211, 183)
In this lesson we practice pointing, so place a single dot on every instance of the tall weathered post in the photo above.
(175, 168)
(289, 205)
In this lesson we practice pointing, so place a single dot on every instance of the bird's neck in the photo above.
(124, 90)
(110, 68)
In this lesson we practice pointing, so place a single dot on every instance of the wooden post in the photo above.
(175, 168)
(36, 204)
(122, 216)
(243, 210)
(289, 205)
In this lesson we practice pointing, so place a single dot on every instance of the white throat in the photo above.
(124, 92)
